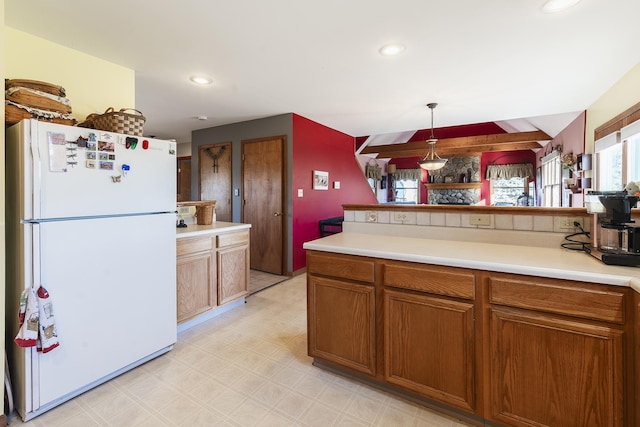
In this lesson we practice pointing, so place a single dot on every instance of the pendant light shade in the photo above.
(432, 161)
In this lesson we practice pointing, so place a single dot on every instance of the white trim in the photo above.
(630, 130)
(607, 141)
(552, 155)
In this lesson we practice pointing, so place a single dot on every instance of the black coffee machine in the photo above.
(615, 236)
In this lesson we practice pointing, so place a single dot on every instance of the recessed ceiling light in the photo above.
(391, 49)
(201, 80)
(552, 6)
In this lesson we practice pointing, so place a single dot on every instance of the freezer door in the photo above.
(112, 282)
(85, 172)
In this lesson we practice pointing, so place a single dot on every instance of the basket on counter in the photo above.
(120, 121)
(204, 210)
(204, 213)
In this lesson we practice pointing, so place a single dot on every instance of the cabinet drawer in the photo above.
(578, 299)
(453, 282)
(189, 246)
(341, 266)
(232, 239)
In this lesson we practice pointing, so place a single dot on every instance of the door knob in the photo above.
(277, 214)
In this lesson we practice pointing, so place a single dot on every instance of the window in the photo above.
(509, 192)
(618, 158)
(407, 191)
(552, 180)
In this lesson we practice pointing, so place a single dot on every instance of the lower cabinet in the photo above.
(342, 323)
(341, 311)
(429, 347)
(233, 266)
(196, 278)
(515, 350)
(557, 352)
(212, 270)
(555, 372)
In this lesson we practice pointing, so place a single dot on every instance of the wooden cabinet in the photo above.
(212, 270)
(196, 279)
(558, 358)
(341, 311)
(515, 350)
(429, 338)
(429, 347)
(233, 266)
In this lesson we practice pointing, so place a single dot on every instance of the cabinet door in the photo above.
(429, 347)
(341, 323)
(195, 284)
(547, 371)
(233, 273)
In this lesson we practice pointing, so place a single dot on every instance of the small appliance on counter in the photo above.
(615, 237)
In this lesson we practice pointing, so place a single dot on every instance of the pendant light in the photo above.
(432, 161)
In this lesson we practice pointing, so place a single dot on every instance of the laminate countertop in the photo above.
(554, 263)
(217, 227)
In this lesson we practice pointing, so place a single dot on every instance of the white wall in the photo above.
(624, 94)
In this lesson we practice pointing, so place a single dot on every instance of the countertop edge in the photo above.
(543, 262)
(195, 230)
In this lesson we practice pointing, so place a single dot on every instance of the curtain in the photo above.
(373, 171)
(521, 170)
(408, 174)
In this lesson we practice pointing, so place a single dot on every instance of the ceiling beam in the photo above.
(463, 145)
(453, 152)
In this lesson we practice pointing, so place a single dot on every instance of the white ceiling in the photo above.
(491, 60)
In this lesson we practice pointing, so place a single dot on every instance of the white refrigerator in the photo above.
(90, 215)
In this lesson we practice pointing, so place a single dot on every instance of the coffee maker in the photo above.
(615, 239)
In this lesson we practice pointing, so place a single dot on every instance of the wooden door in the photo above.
(184, 179)
(263, 185)
(215, 177)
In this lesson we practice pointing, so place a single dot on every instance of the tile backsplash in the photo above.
(461, 225)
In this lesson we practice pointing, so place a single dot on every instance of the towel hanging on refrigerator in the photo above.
(28, 314)
(37, 321)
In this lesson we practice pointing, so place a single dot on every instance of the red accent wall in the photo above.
(317, 147)
(501, 158)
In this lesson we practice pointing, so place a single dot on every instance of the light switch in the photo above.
(300, 192)
(336, 185)
(236, 192)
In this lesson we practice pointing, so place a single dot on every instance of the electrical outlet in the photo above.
(400, 216)
(566, 223)
(479, 219)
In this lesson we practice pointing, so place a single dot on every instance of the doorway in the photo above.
(263, 184)
(183, 184)
(215, 177)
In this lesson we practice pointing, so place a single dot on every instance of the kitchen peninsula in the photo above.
(496, 324)
(212, 270)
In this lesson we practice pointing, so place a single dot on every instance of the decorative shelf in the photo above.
(453, 185)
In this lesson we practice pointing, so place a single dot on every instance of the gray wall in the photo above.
(236, 133)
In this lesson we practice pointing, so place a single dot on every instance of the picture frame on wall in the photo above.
(320, 180)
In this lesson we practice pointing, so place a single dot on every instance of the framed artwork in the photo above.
(320, 180)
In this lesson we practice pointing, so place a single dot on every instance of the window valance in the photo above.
(401, 174)
(521, 170)
(373, 172)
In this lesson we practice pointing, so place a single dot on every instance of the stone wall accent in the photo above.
(456, 167)
(461, 196)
